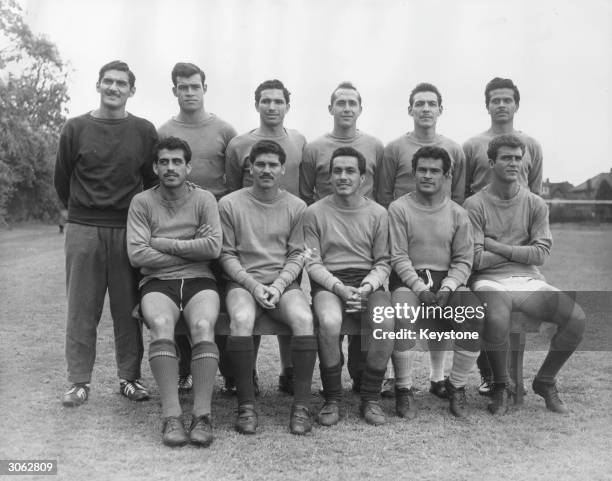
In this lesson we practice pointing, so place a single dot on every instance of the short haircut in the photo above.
(425, 87)
(507, 140)
(267, 147)
(122, 67)
(432, 152)
(344, 85)
(184, 69)
(172, 143)
(272, 84)
(501, 83)
(349, 152)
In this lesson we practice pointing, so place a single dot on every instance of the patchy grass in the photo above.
(112, 438)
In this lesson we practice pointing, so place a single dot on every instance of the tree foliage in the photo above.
(33, 94)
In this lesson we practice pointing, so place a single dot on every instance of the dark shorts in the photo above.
(179, 290)
(233, 285)
(435, 277)
(349, 277)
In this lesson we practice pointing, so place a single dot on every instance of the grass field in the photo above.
(112, 438)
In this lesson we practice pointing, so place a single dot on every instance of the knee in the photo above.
(242, 323)
(576, 325)
(302, 323)
(330, 324)
(161, 324)
(202, 329)
(474, 323)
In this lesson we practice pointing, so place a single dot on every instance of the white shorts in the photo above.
(518, 287)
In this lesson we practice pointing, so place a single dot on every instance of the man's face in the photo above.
(345, 176)
(114, 89)
(272, 107)
(346, 108)
(267, 171)
(171, 168)
(429, 175)
(501, 106)
(507, 164)
(425, 109)
(190, 93)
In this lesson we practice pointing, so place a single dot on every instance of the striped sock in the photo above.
(204, 362)
(164, 366)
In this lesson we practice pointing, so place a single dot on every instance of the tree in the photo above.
(33, 94)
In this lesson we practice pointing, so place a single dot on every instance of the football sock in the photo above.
(498, 359)
(331, 378)
(403, 362)
(183, 346)
(256, 344)
(556, 357)
(356, 358)
(371, 382)
(390, 373)
(463, 362)
(303, 357)
(164, 366)
(484, 366)
(436, 365)
(240, 360)
(204, 363)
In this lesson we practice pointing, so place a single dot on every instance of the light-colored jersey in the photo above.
(521, 222)
(237, 164)
(347, 238)
(437, 238)
(314, 169)
(395, 177)
(161, 234)
(478, 168)
(208, 142)
(262, 240)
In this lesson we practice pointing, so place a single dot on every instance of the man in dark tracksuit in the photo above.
(104, 159)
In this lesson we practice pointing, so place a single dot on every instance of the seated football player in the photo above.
(511, 238)
(431, 256)
(346, 235)
(262, 256)
(173, 233)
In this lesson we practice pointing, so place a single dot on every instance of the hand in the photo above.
(203, 231)
(261, 294)
(352, 299)
(274, 295)
(153, 243)
(428, 298)
(365, 290)
(442, 296)
(490, 244)
(192, 184)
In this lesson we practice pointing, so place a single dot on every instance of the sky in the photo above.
(558, 52)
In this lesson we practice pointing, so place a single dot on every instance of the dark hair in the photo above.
(349, 152)
(118, 65)
(425, 87)
(432, 152)
(507, 140)
(267, 147)
(344, 85)
(271, 84)
(501, 83)
(172, 143)
(184, 69)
